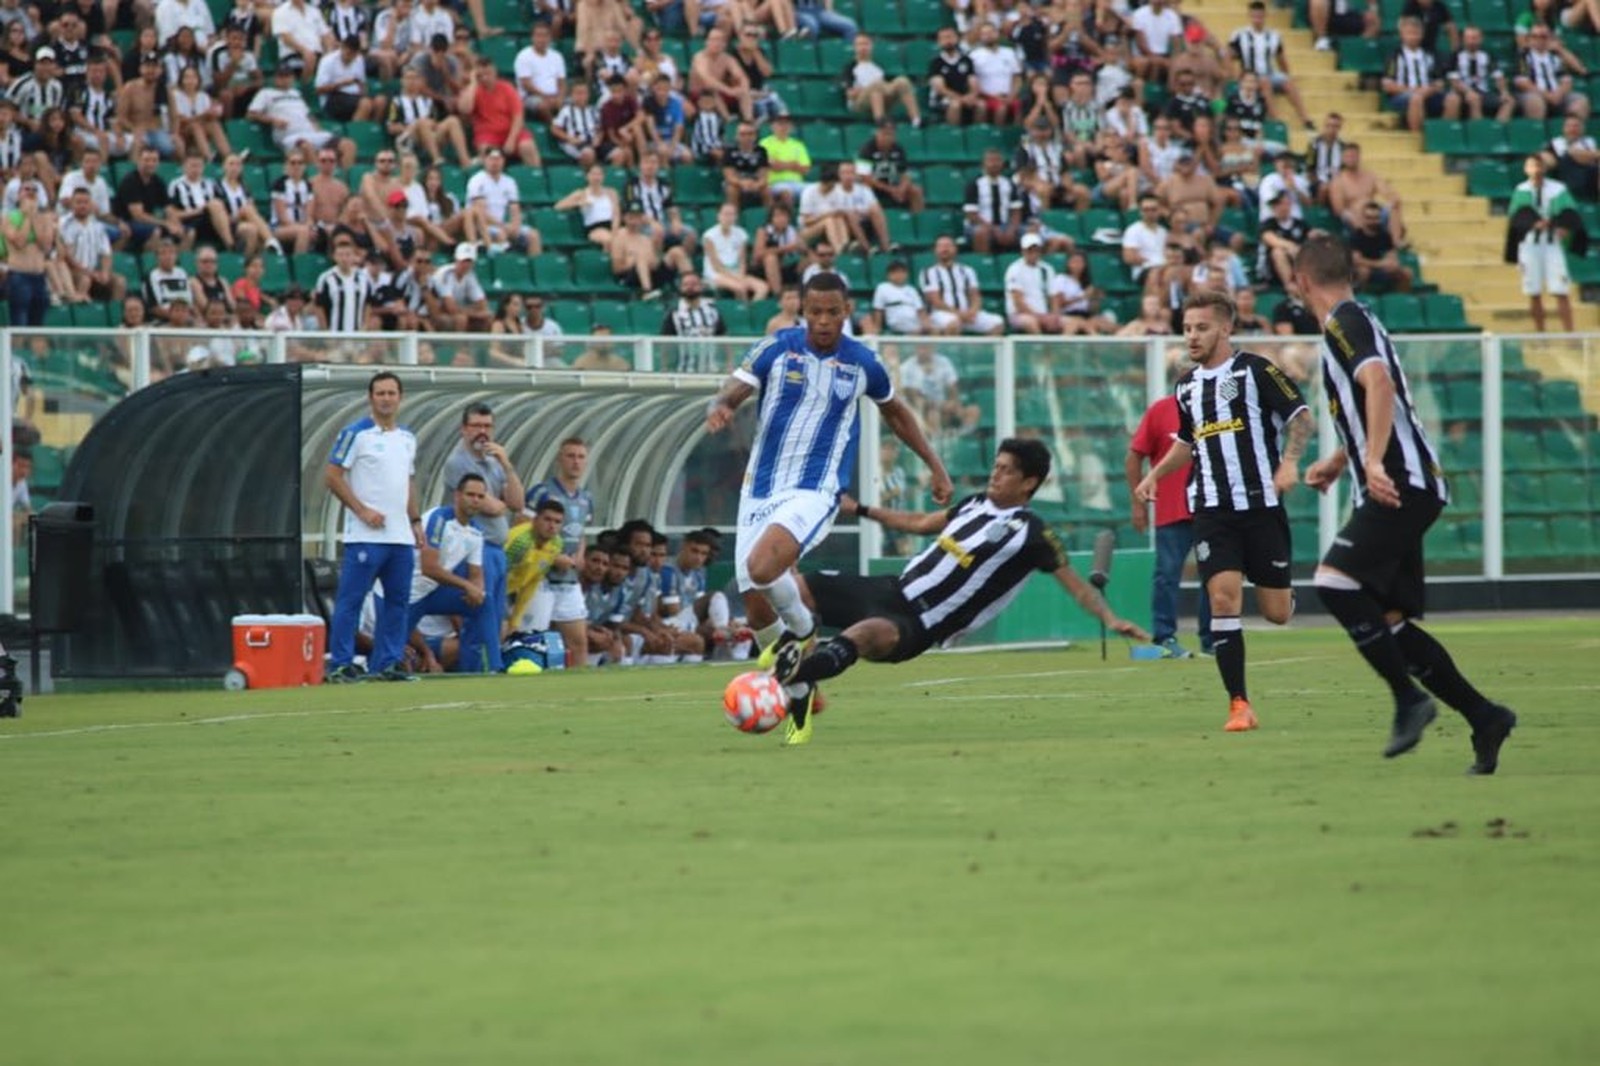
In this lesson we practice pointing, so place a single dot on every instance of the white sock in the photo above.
(741, 651)
(785, 596)
(766, 636)
(717, 610)
(693, 659)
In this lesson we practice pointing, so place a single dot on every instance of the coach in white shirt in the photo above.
(541, 73)
(1028, 282)
(371, 471)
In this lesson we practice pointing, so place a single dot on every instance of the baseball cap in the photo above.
(397, 198)
(466, 253)
(44, 53)
(634, 207)
(1032, 240)
(148, 57)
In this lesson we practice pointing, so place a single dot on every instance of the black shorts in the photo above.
(1256, 543)
(842, 600)
(341, 106)
(1348, 24)
(1381, 547)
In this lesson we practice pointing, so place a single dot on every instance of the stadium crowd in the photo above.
(356, 166)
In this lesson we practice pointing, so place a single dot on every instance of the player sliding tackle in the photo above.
(810, 380)
(986, 547)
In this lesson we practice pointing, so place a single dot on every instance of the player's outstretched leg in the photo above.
(873, 639)
(1433, 665)
(1363, 618)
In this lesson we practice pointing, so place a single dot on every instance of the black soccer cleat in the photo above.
(786, 658)
(1486, 741)
(1410, 721)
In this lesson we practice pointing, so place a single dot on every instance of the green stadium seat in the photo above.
(1443, 542)
(980, 139)
(1521, 452)
(1401, 312)
(571, 315)
(934, 223)
(734, 312)
(1485, 136)
(1571, 536)
(1492, 16)
(370, 137)
(308, 268)
(610, 313)
(513, 273)
(531, 187)
(1445, 313)
(559, 229)
(502, 51)
(1567, 492)
(696, 187)
(1524, 494)
(826, 144)
(1362, 56)
(919, 51)
(821, 99)
(552, 274)
(1444, 136)
(1560, 399)
(1527, 538)
(89, 315)
(1466, 493)
(796, 57)
(943, 144)
(883, 18)
(1491, 178)
(58, 318)
(1526, 136)
(1465, 400)
(1520, 399)
(275, 275)
(1561, 449)
(833, 55)
(49, 467)
(591, 271)
(944, 186)
(1462, 454)
(645, 318)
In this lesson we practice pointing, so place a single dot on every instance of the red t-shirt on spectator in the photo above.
(1153, 439)
(493, 111)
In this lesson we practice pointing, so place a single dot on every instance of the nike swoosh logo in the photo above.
(1279, 565)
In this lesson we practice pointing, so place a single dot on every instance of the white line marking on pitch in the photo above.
(228, 719)
(1073, 673)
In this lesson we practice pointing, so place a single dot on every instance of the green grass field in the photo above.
(990, 858)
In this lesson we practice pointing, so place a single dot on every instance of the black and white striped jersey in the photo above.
(409, 110)
(1257, 52)
(34, 97)
(1352, 338)
(295, 198)
(977, 565)
(1544, 69)
(1478, 71)
(344, 297)
(954, 284)
(10, 149)
(697, 319)
(580, 122)
(655, 198)
(1413, 68)
(1232, 416)
(98, 107)
(165, 287)
(189, 195)
(1323, 159)
(708, 134)
(991, 199)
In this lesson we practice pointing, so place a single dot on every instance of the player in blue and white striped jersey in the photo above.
(810, 380)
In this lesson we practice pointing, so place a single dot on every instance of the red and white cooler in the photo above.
(276, 651)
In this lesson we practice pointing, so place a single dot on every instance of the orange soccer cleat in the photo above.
(1241, 719)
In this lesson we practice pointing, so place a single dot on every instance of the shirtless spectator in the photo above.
(1353, 188)
(714, 69)
(1190, 187)
(379, 182)
(328, 196)
(140, 106)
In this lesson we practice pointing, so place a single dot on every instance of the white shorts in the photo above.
(806, 513)
(553, 604)
(903, 320)
(1544, 268)
(982, 322)
(685, 621)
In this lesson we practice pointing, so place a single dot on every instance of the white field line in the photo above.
(1074, 673)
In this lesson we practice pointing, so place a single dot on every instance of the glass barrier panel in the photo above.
(175, 351)
(63, 381)
(1551, 454)
(359, 349)
(471, 351)
(700, 355)
(599, 352)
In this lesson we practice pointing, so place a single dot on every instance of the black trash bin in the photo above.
(60, 553)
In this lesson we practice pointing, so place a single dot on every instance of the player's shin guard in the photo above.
(791, 607)
(1227, 644)
(829, 660)
(1363, 619)
(1432, 665)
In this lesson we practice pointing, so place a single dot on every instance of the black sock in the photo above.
(1227, 644)
(1363, 619)
(829, 660)
(1432, 665)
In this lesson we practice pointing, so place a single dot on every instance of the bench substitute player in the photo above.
(1233, 406)
(1372, 577)
(810, 379)
(986, 547)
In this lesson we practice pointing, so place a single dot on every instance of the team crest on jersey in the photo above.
(844, 384)
(996, 531)
(1202, 551)
(1227, 389)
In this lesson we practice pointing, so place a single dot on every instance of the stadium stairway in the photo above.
(1455, 235)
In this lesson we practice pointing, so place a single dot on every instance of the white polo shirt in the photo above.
(456, 544)
(305, 27)
(497, 194)
(544, 71)
(465, 291)
(994, 69)
(379, 465)
(1033, 281)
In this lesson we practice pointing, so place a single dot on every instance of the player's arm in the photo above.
(1373, 375)
(1094, 604)
(1133, 471)
(339, 484)
(1177, 455)
(721, 409)
(918, 522)
(1321, 474)
(1296, 434)
(903, 421)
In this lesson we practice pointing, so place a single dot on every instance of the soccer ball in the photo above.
(755, 702)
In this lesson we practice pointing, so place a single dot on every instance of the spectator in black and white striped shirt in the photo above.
(85, 257)
(93, 111)
(167, 284)
(39, 91)
(343, 291)
(1477, 76)
(416, 116)
(1544, 82)
(1259, 49)
(576, 126)
(1413, 82)
(954, 296)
